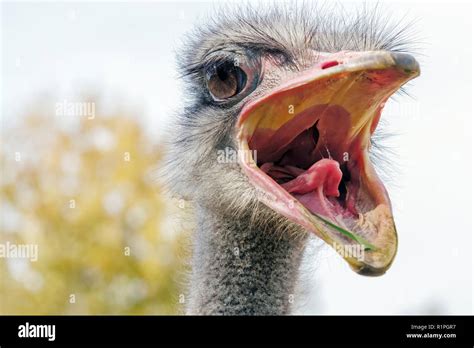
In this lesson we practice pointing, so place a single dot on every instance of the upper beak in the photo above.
(356, 85)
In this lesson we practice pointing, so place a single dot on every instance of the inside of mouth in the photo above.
(313, 158)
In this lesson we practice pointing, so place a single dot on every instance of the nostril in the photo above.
(329, 64)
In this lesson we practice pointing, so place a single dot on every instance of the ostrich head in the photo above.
(276, 133)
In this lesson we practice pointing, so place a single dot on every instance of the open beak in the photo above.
(304, 146)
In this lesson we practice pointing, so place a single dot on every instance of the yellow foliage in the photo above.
(86, 196)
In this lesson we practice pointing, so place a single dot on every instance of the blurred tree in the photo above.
(82, 189)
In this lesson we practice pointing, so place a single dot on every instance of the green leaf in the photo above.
(353, 236)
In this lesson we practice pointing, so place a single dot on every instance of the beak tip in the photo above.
(370, 271)
(406, 62)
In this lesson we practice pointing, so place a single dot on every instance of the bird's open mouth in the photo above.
(304, 145)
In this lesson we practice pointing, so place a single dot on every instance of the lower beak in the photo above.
(309, 141)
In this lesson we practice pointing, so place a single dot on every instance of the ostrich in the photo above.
(275, 143)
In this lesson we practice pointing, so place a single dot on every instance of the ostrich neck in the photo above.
(240, 269)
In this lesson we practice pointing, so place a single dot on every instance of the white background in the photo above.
(125, 52)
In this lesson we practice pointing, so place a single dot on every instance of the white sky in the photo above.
(125, 52)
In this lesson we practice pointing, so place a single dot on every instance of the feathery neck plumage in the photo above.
(240, 269)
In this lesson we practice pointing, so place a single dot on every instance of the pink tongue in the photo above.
(324, 174)
(312, 187)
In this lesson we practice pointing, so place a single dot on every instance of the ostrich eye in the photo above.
(225, 81)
